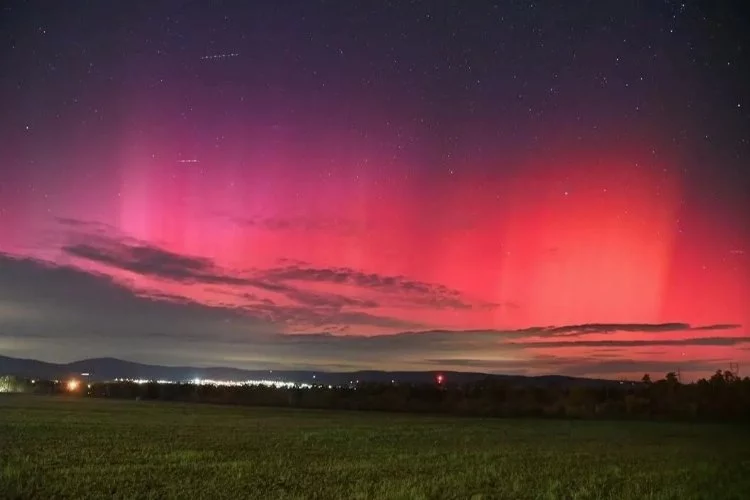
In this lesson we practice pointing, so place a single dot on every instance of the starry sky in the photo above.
(514, 187)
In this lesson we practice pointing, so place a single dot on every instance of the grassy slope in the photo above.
(57, 448)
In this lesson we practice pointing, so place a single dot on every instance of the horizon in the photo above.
(311, 186)
(685, 377)
(311, 370)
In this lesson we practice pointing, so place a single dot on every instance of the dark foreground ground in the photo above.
(83, 448)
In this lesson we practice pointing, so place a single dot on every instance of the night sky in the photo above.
(514, 187)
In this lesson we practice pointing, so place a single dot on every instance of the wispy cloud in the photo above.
(151, 261)
(426, 294)
(723, 326)
(292, 280)
(699, 341)
(589, 328)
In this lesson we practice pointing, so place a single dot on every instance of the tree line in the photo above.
(724, 396)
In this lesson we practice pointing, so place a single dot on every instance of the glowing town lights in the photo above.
(440, 379)
(72, 385)
(221, 383)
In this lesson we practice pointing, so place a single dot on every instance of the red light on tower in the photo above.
(440, 379)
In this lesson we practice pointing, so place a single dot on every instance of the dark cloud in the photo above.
(590, 328)
(84, 228)
(311, 298)
(725, 326)
(75, 222)
(149, 260)
(700, 341)
(426, 294)
(581, 330)
(328, 300)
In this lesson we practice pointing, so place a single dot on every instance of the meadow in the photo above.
(57, 447)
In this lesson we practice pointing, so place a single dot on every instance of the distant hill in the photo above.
(102, 369)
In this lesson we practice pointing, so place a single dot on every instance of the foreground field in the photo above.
(78, 448)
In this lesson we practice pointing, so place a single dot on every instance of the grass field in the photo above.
(78, 448)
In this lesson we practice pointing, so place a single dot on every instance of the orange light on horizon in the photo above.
(73, 385)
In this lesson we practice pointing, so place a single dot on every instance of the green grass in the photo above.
(80, 448)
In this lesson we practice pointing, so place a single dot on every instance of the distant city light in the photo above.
(222, 383)
(73, 385)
